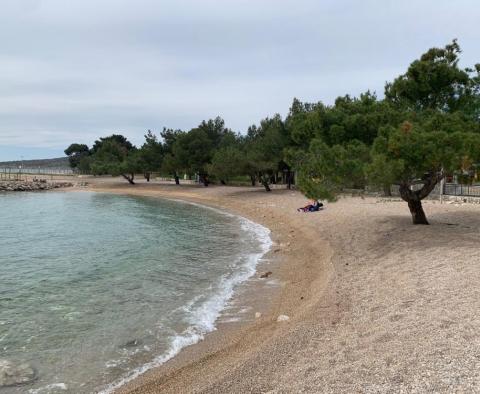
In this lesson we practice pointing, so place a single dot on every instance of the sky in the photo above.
(72, 71)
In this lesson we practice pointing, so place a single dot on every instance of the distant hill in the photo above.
(57, 163)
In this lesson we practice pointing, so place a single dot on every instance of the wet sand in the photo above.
(375, 303)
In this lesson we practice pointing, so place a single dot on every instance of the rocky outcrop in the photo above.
(16, 186)
(12, 374)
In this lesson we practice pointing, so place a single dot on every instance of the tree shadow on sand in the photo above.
(446, 230)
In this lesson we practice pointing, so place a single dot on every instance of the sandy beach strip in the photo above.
(375, 304)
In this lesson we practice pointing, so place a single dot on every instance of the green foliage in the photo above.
(151, 153)
(77, 156)
(228, 162)
(116, 156)
(170, 165)
(409, 153)
(381, 172)
(435, 81)
(428, 125)
(349, 119)
(324, 170)
(117, 138)
(304, 122)
(265, 145)
(193, 151)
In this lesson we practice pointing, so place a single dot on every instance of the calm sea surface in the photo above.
(96, 288)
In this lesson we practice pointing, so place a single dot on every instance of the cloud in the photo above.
(72, 71)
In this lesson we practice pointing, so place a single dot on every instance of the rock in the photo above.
(266, 274)
(283, 318)
(258, 315)
(17, 186)
(13, 375)
(133, 343)
(276, 250)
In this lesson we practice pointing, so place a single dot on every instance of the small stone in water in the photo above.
(13, 375)
(133, 342)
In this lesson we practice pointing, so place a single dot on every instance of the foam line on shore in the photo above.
(205, 315)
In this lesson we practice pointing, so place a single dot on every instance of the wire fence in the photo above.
(455, 189)
(36, 171)
(9, 174)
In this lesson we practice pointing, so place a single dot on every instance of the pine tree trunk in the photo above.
(266, 185)
(177, 179)
(129, 178)
(204, 179)
(253, 180)
(416, 209)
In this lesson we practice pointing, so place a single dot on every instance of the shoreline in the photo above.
(375, 304)
(260, 232)
(229, 334)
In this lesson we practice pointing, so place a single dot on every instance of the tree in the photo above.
(438, 91)
(215, 130)
(431, 128)
(116, 156)
(77, 156)
(381, 173)
(192, 152)
(264, 149)
(416, 159)
(324, 171)
(170, 164)
(228, 162)
(117, 138)
(436, 82)
(151, 155)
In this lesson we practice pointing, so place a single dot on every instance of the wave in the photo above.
(204, 313)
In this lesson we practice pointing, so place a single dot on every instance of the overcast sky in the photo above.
(71, 71)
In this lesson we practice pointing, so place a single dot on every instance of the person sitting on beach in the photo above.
(314, 207)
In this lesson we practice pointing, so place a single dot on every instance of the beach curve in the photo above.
(374, 303)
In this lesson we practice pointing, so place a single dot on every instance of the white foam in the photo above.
(204, 316)
(49, 388)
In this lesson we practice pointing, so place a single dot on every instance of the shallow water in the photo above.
(96, 288)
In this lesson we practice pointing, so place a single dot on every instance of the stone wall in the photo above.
(22, 186)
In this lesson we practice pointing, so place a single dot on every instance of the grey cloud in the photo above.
(71, 71)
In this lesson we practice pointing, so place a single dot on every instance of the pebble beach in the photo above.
(367, 302)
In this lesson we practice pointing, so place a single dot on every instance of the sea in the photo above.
(97, 288)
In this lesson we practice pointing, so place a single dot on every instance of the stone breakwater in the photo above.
(16, 186)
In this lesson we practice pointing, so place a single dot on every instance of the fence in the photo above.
(455, 189)
(37, 171)
(9, 174)
(449, 189)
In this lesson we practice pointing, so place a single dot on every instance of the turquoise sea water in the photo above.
(96, 288)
